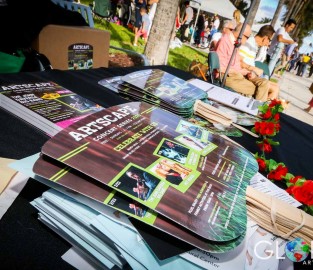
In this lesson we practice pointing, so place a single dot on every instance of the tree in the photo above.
(157, 47)
(264, 20)
(290, 8)
(277, 12)
(304, 20)
(254, 9)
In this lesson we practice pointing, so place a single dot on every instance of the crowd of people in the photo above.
(276, 49)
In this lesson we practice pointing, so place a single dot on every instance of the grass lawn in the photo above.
(124, 38)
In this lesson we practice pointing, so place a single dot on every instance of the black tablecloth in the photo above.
(27, 244)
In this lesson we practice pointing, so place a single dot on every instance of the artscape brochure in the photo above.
(180, 170)
(116, 85)
(46, 105)
(159, 88)
(92, 194)
(80, 183)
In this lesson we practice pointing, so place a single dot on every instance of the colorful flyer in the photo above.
(116, 84)
(169, 88)
(80, 56)
(123, 146)
(46, 102)
(82, 184)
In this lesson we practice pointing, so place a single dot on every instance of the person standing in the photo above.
(200, 29)
(215, 26)
(186, 21)
(311, 68)
(286, 56)
(138, 19)
(145, 26)
(294, 58)
(278, 43)
(305, 60)
(153, 6)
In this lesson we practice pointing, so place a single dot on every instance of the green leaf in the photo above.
(309, 209)
(272, 164)
(288, 176)
(271, 142)
(280, 109)
(300, 182)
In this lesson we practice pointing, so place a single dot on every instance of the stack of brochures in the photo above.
(109, 239)
(158, 168)
(158, 88)
(231, 99)
(45, 105)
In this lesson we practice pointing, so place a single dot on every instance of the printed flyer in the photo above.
(169, 88)
(117, 85)
(80, 56)
(46, 102)
(195, 178)
(82, 184)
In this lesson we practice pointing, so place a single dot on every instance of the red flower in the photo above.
(290, 190)
(264, 128)
(277, 127)
(304, 193)
(295, 179)
(262, 164)
(268, 114)
(274, 102)
(278, 173)
(276, 116)
(265, 146)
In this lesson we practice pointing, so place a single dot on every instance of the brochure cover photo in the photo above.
(138, 150)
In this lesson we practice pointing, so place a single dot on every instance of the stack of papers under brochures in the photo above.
(106, 242)
(159, 88)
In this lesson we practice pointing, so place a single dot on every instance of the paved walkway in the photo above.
(296, 90)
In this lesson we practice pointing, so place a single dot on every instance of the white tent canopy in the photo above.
(223, 8)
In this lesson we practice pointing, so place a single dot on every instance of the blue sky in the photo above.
(266, 9)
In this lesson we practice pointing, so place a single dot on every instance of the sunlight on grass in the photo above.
(124, 38)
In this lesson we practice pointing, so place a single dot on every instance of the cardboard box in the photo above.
(74, 47)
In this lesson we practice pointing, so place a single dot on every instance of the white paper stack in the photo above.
(106, 242)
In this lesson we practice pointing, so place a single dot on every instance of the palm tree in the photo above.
(264, 20)
(157, 47)
(277, 12)
(304, 27)
(254, 8)
(290, 7)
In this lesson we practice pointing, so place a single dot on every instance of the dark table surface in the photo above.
(25, 243)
